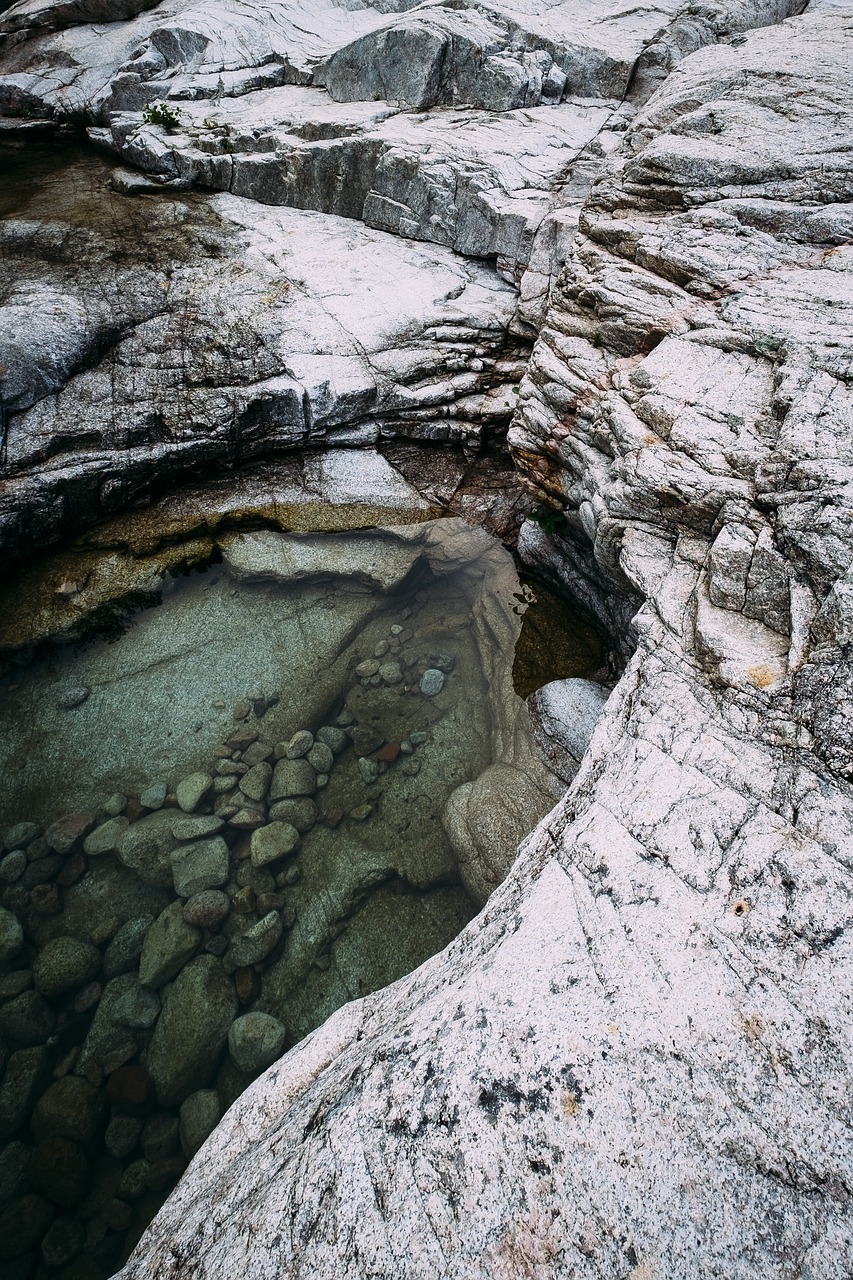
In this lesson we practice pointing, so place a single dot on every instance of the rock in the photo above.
(564, 714)
(366, 740)
(247, 819)
(257, 753)
(255, 1041)
(65, 834)
(12, 867)
(300, 813)
(131, 1089)
(146, 845)
(105, 838)
(256, 783)
(333, 738)
(14, 1158)
(431, 682)
(216, 946)
(368, 769)
(206, 910)
(154, 796)
(63, 964)
(73, 870)
(200, 1114)
(257, 878)
(199, 866)
(133, 1184)
(321, 757)
(11, 935)
(28, 1018)
(122, 1136)
(257, 942)
(292, 777)
(45, 900)
(169, 944)
(63, 1241)
(191, 1033)
(72, 696)
(21, 835)
(26, 1077)
(160, 1136)
(117, 1215)
(389, 753)
(22, 1225)
(243, 901)
(273, 842)
(196, 827)
(87, 997)
(391, 673)
(361, 811)
(122, 954)
(69, 1108)
(115, 804)
(42, 871)
(299, 745)
(12, 984)
(136, 1009)
(366, 669)
(59, 1170)
(192, 790)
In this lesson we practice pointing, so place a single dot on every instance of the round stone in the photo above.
(122, 1135)
(69, 1108)
(105, 838)
(391, 673)
(124, 951)
(137, 1009)
(192, 1030)
(200, 1114)
(300, 813)
(13, 866)
(206, 910)
(11, 935)
(196, 827)
(255, 1041)
(368, 769)
(63, 1241)
(272, 842)
(22, 834)
(115, 804)
(299, 745)
(321, 757)
(199, 866)
(431, 682)
(60, 1171)
(28, 1018)
(154, 796)
(257, 942)
(63, 964)
(71, 696)
(191, 790)
(257, 878)
(293, 778)
(333, 738)
(256, 783)
(366, 669)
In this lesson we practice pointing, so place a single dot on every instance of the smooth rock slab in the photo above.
(192, 1031)
(199, 866)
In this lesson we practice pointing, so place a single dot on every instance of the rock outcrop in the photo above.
(636, 1061)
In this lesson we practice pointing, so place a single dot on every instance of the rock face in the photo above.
(635, 1061)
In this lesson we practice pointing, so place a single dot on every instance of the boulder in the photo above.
(168, 945)
(192, 1030)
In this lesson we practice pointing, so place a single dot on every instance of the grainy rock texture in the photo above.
(636, 1061)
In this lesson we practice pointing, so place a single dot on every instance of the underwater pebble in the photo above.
(72, 697)
(333, 738)
(153, 797)
(431, 682)
(13, 866)
(299, 745)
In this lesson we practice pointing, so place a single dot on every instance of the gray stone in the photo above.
(208, 909)
(72, 696)
(391, 673)
(321, 757)
(300, 813)
(154, 796)
(137, 1009)
(63, 964)
(28, 1018)
(256, 783)
(26, 1077)
(115, 804)
(14, 1158)
(365, 670)
(122, 1135)
(199, 866)
(200, 1114)
(368, 769)
(192, 1030)
(106, 837)
(365, 740)
(11, 935)
(62, 836)
(62, 1241)
(105, 1037)
(12, 867)
(196, 827)
(146, 845)
(273, 842)
(257, 942)
(125, 947)
(191, 790)
(333, 738)
(431, 682)
(299, 745)
(69, 1108)
(257, 878)
(293, 778)
(564, 714)
(21, 835)
(134, 1181)
(169, 944)
(255, 1041)
(12, 984)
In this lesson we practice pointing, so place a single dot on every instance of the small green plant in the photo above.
(549, 519)
(169, 118)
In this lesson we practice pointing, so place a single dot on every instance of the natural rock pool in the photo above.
(288, 773)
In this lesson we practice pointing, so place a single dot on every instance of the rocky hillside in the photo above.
(323, 225)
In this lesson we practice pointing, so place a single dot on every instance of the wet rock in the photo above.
(257, 942)
(137, 1009)
(273, 842)
(196, 827)
(64, 834)
(42, 871)
(391, 673)
(200, 1114)
(442, 662)
(12, 984)
(63, 1241)
(12, 867)
(255, 1041)
(69, 1108)
(368, 769)
(22, 1225)
(115, 804)
(133, 1183)
(299, 745)
(257, 878)
(206, 910)
(345, 719)
(190, 1035)
(60, 1171)
(333, 738)
(389, 753)
(411, 768)
(293, 778)
(300, 813)
(248, 984)
(154, 796)
(367, 669)
(124, 950)
(231, 769)
(563, 715)
(361, 811)
(105, 838)
(45, 900)
(243, 901)
(169, 944)
(11, 935)
(247, 819)
(117, 1215)
(21, 835)
(192, 790)
(146, 845)
(14, 1159)
(256, 783)
(320, 757)
(217, 945)
(366, 740)
(122, 1135)
(160, 1136)
(26, 1077)
(257, 753)
(131, 1089)
(88, 997)
(240, 739)
(73, 869)
(28, 1018)
(164, 1173)
(199, 866)
(104, 1036)
(65, 963)
(431, 682)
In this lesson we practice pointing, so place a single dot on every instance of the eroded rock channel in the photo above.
(280, 786)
